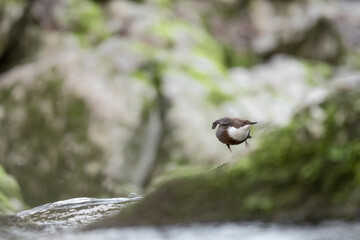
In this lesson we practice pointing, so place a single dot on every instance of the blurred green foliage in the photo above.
(10, 196)
(313, 160)
(317, 70)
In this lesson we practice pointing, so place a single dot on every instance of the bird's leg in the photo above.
(247, 144)
(229, 147)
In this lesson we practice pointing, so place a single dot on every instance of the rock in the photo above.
(261, 29)
(305, 29)
(73, 120)
(72, 214)
(132, 195)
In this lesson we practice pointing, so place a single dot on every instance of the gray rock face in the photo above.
(301, 28)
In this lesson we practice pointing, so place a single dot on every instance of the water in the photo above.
(335, 230)
(64, 220)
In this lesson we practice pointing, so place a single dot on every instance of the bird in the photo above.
(232, 131)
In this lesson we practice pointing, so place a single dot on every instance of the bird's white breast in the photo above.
(239, 134)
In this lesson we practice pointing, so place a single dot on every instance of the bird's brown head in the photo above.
(222, 121)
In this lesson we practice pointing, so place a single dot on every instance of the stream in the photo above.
(63, 219)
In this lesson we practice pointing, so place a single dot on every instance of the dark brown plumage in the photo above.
(232, 131)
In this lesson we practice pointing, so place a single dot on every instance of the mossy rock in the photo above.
(298, 173)
(45, 143)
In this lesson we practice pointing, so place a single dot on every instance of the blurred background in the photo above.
(99, 98)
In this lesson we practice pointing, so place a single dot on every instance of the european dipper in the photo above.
(232, 131)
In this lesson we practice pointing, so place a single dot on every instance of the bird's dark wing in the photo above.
(238, 122)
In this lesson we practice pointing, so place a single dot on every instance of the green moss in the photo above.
(295, 174)
(10, 197)
(317, 70)
(236, 58)
(164, 3)
(215, 96)
(353, 59)
(202, 47)
(174, 30)
(86, 19)
(167, 29)
(218, 97)
(143, 48)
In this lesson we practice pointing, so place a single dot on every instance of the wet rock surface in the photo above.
(75, 213)
(62, 216)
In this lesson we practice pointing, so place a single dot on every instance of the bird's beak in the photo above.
(252, 123)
